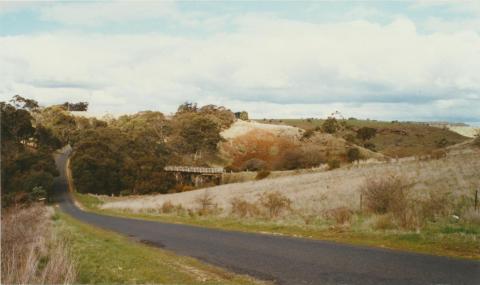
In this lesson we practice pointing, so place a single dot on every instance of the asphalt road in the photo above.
(282, 259)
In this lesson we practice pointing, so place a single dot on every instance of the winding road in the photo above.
(284, 260)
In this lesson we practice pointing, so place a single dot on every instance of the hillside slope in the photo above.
(458, 173)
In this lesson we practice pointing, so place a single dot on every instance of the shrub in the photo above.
(330, 125)
(353, 154)
(371, 146)
(333, 164)
(275, 203)
(205, 203)
(254, 164)
(366, 133)
(340, 215)
(387, 194)
(243, 208)
(306, 156)
(262, 174)
(308, 134)
(167, 207)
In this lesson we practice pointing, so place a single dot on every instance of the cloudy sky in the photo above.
(417, 60)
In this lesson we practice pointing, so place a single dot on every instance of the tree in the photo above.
(330, 125)
(366, 133)
(26, 153)
(187, 107)
(79, 107)
(61, 122)
(24, 103)
(197, 134)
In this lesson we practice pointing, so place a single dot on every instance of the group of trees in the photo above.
(27, 167)
(128, 155)
(121, 156)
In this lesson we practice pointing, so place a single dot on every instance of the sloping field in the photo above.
(458, 173)
(394, 139)
(240, 128)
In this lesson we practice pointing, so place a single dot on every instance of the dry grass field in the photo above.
(395, 139)
(457, 174)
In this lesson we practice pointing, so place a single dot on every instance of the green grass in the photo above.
(459, 242)
(106, 257)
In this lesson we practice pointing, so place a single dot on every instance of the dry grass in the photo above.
(457, 174)
(31, 251)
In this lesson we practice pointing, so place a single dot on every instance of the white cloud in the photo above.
(269, 66)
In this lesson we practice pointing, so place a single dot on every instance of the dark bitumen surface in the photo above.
(282, 259)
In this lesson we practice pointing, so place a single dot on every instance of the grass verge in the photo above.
(461, 242)
(106, 257)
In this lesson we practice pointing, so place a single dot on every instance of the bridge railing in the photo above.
(194, 169)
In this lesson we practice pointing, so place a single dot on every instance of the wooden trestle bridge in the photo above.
(196, 176)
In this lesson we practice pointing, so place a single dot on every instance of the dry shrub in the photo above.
(305, 156)
(167, 207)
(262, 174)
(385, 194)
(243, 208)
(340, 215)
(31, 253)
(275, 203)
(388, 194)
(383, 222)
(205, 204)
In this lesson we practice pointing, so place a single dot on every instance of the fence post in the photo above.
(476, 200)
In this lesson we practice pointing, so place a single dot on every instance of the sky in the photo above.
(391, 60)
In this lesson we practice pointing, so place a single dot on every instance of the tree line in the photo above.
(125, 155)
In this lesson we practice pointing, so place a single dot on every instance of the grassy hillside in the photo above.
(436, 214)
(393, 138)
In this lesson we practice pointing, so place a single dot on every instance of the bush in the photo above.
(330, 125)
(299, 158)
(243, 208)
(340, 215)
(333, 164)
(366, 133)
(205, 204)
(254, 164)
(168, 207)
(308, 134)
(371, 146)
(385, 194)
(275, 203)
(353, 154)
(262, 174)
